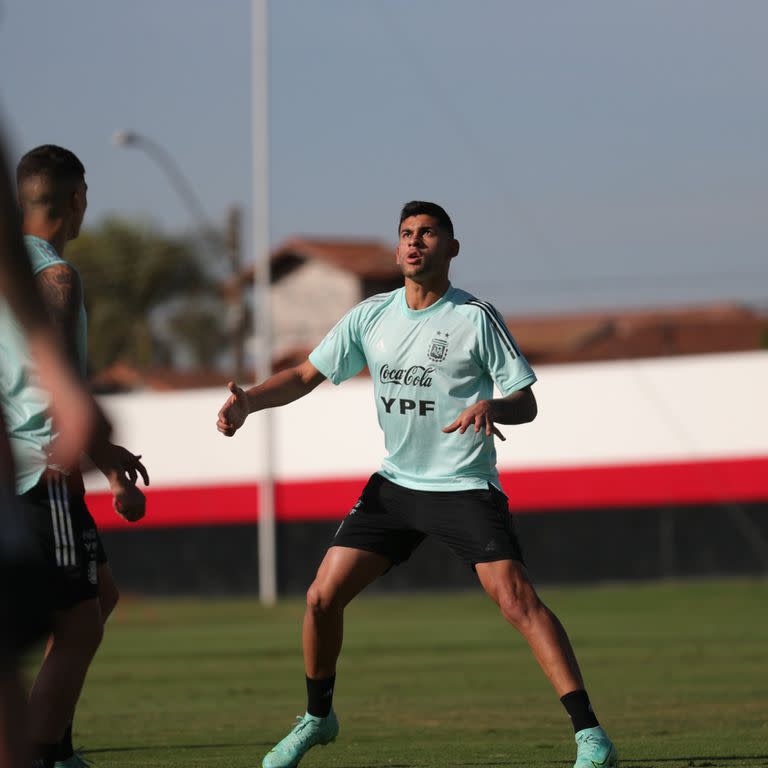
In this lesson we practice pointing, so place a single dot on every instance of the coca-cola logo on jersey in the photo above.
(415, 376)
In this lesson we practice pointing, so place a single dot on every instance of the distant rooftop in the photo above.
(369, 259)
(564, 338)
(622, 333)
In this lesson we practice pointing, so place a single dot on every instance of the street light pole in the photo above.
(261, 291)
(179, 182)
(211, 236)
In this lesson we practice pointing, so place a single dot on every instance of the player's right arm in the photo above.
(59, 285)
(60, 288)
(280, 389)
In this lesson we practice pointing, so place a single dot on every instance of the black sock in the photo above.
(579, 709)
(65, 750)
(320, 696)
(44, 755)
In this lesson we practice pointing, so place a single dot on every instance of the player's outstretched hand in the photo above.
(129, 501)
(478, 415)
(234, 412)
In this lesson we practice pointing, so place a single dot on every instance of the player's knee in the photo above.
(79, 632)
(518, 606)
(95, 636)
(319, 600)
(89, 636)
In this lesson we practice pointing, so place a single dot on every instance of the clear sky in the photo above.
(592, 154)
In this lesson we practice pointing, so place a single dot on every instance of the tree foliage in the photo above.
(151, 299)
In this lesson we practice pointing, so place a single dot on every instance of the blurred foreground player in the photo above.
(24, 608)
(434, 353)
(53, 196)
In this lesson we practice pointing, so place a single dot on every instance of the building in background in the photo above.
(316, 280)
(625, 334)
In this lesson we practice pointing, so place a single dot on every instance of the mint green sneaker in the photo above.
(307, 732)
(595, 750)
(75, 761)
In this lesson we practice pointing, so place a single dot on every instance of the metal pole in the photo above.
(173, 173)
(261, 287)
(236, 299)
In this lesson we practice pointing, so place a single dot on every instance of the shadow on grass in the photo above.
(166, 747)
(692, 761)
(689, 762)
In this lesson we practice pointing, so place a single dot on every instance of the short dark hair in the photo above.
(419, 207)
(57, 164)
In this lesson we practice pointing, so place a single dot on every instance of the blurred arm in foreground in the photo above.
(24, 611)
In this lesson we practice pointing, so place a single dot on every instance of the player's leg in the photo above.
(23, 622)
(342, 575)
(508, 585)
(367, 543)
(109, 595)
(67, 536)
(76, 637)
(477, 526)
(12, 723)
(66, 757)
(25, 618)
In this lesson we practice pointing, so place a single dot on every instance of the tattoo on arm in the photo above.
(60, 288)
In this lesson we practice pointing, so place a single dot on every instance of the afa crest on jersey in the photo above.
(438, 348)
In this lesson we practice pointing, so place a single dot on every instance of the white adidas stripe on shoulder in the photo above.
(497, 321)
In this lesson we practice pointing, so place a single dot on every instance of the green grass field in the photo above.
(678, 674)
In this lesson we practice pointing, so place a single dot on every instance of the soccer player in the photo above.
(24, 613)
(52, 194)
(434, 353)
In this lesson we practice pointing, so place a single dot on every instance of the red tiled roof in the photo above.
(368, 259)
(122, 377)
(638, 333)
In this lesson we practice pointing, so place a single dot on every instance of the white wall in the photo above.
(309, 301)
(654, 410)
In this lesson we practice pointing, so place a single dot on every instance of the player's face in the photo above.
(425, 249)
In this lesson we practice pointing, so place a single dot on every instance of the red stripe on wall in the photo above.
(540, 490)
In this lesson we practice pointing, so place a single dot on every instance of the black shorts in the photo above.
(25, 607)
(392, 521)
(66, 535)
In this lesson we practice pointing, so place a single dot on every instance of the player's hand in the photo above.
(125, 466)
(478, 415)
(234, 412)
(129, 501)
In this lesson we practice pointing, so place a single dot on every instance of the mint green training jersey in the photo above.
(24, 402)
(427, 366)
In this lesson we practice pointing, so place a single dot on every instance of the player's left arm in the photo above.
(498, 355)
(60, 288)
(517, 408)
